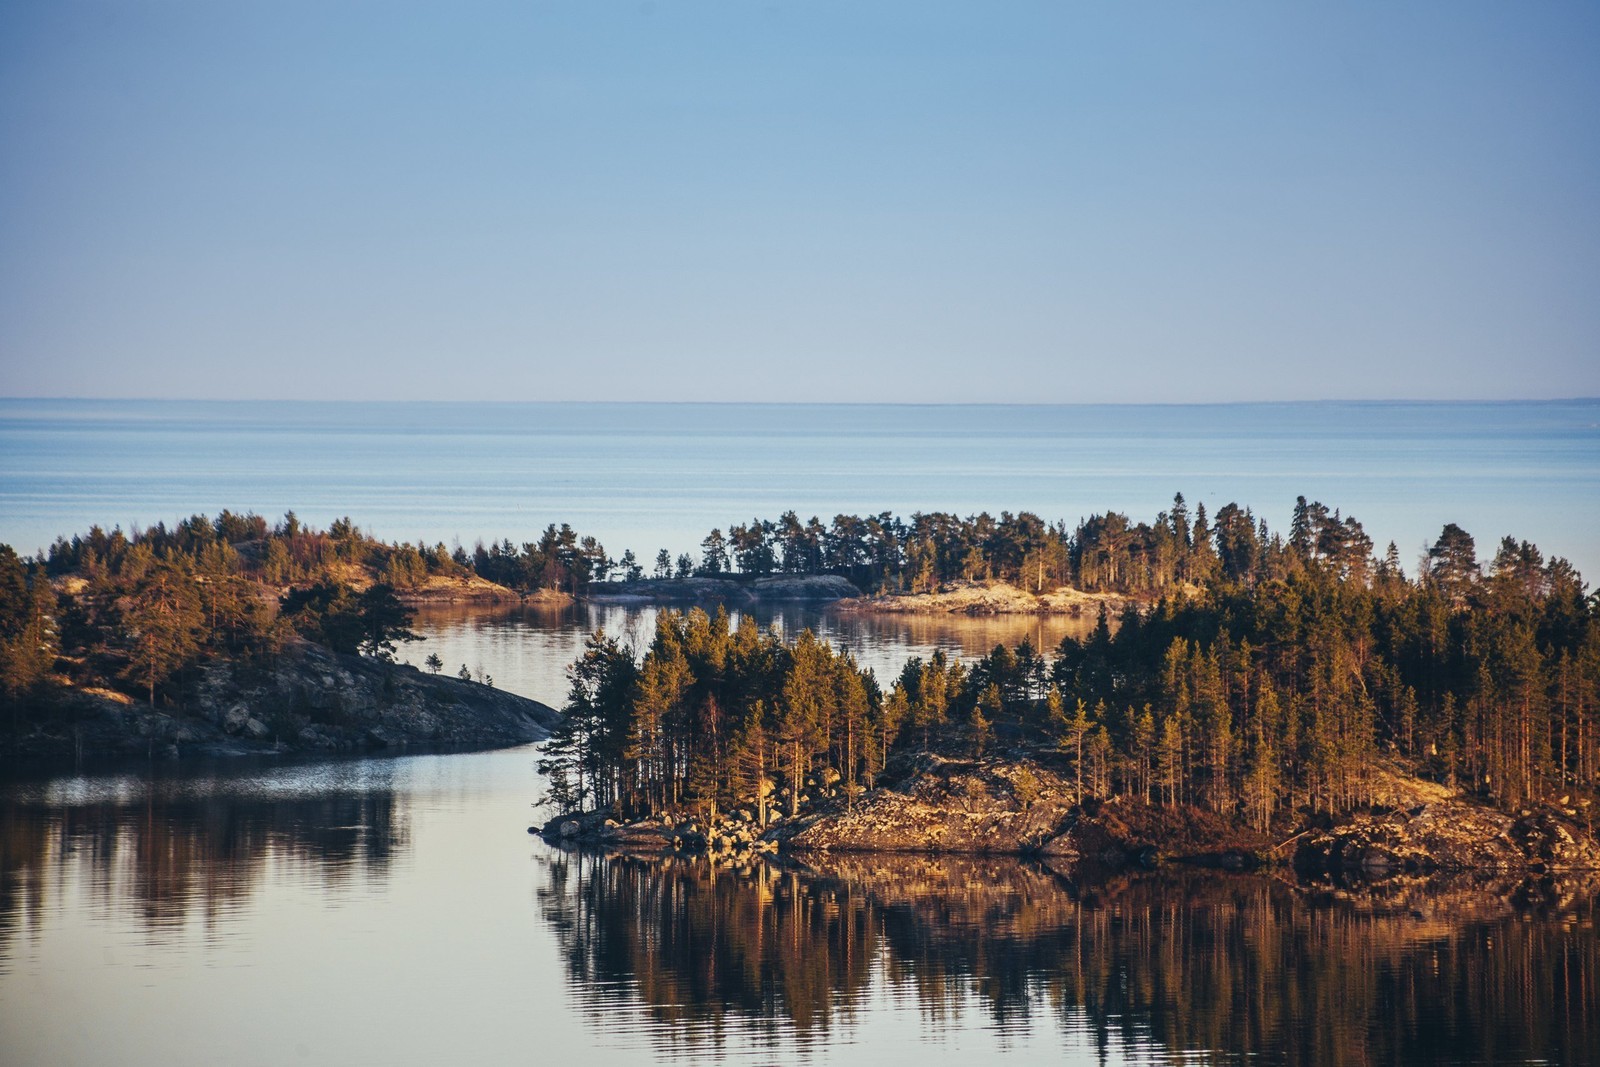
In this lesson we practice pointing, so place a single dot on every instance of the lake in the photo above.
(395, 911)
(647, 476)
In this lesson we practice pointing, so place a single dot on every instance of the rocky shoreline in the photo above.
(305, 699)
(971, 598)
(735, 591)
(1018, 807)
(991, 598)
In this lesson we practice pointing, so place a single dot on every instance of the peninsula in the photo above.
(227, 638)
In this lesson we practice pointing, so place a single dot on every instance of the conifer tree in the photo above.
(163, 623)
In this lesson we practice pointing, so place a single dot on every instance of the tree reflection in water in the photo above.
(177, 849)
(1145, 966)
(699, 944)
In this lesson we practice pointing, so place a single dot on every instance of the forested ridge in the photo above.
(176, 641)
(1265, 687)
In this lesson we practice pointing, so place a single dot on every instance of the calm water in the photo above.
(651, 476)
(526, 649)
(393, 911)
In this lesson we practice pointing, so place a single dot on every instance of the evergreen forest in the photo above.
(1262, 678)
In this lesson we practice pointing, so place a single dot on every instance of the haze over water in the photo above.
(646, 476)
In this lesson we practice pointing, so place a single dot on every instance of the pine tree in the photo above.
(28, 638)
(1142, 750)
(1169, 760)
(163, 623)
(1261, 784)
(1070, 735)
(984, 711)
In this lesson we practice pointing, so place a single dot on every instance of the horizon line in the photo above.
(808, 403)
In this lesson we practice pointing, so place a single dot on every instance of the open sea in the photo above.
(648, 476)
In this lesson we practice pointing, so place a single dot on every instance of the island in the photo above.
(1245, 698)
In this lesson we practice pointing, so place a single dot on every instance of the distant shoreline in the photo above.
(653, 475)
(838, 594)
(991, 598)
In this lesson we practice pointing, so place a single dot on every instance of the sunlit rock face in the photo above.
(1451, 834)
(962, 807)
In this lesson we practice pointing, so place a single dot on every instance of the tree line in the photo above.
(1108, 552)
(880, 553)
(1263, 688)
(141, 610)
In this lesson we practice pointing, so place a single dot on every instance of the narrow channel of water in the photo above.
(526, 648)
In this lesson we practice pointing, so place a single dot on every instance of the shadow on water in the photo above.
(169, 848)
(1148, 967)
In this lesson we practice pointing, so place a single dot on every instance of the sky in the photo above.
(751, 201)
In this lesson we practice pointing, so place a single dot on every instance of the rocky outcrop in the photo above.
(463, 587)
(961, 806)
(1449, 835)
(992, 598)
(804, 588)
(459, 589)
(599, 829)
(306, 699)
(934, 805)
(733, 835)
(813, 587)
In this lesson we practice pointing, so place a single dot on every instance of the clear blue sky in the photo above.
(799, 201)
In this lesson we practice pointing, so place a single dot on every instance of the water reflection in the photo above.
(329, 888)
(164, 850)
(702, 947)
(526, 648)
(1147, 967)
